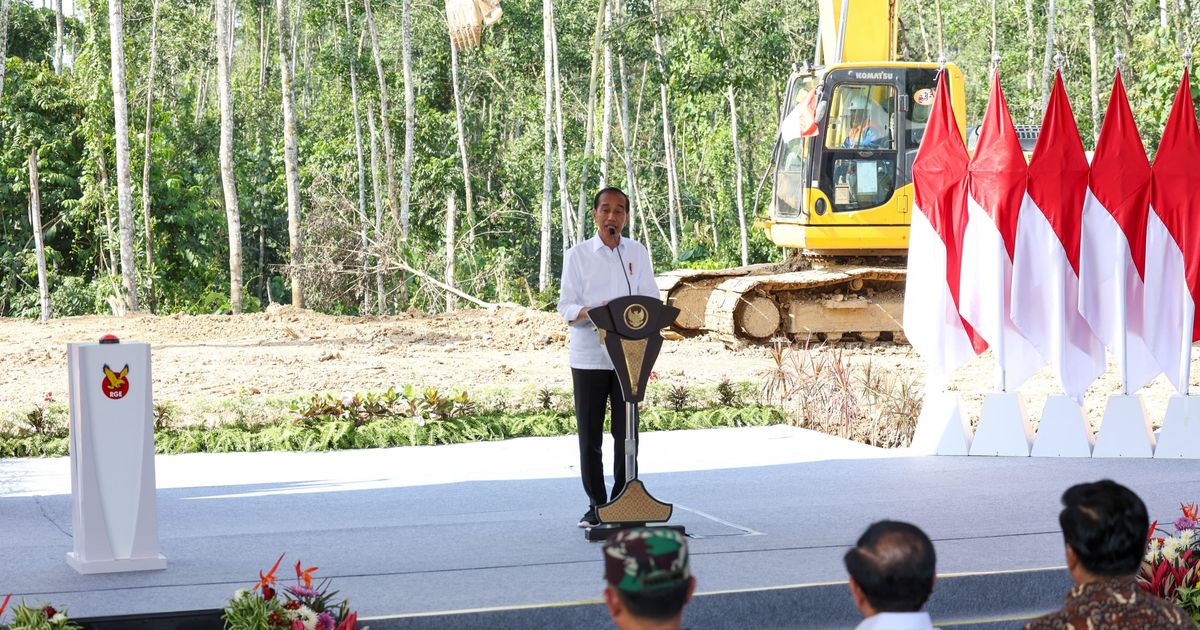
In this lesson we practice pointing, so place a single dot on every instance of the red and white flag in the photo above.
(932, 322)
(1112, 250)
(995, 190)
(1045, 285)
(1173, 243)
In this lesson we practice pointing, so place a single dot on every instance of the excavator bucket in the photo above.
(466, 19)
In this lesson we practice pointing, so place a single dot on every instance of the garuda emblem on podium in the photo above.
(636, 316)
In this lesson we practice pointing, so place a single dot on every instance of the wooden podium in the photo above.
(629, 330)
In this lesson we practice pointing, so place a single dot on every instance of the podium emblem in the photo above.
(636, 316)
(115, 384)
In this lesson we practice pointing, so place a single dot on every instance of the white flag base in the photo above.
(1004, 428)
(942, 427)
(1180, 434)
(1124, 431)
(118, 565)
(1064, 430)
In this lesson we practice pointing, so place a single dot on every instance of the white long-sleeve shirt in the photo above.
(593, 275)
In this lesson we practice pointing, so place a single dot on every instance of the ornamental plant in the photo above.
(44, 617)
(268, 605)
(1171, 569)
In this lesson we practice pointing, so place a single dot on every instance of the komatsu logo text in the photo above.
(873, 76)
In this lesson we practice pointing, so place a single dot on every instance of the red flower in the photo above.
(268, 592)
(5, 604)
(349, 623)
(1150, 534)
(292, 605)
(276, 619)
(50, 612)
(297, 625)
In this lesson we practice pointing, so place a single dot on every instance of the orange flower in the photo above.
(266, 580)
(1190, 510)
(305, 575)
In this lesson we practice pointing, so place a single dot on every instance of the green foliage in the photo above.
(40, 617)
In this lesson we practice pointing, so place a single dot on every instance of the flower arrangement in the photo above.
(268, 605)
(1171, 569)
(44, 617)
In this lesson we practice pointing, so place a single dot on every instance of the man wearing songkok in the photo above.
(1104, 526)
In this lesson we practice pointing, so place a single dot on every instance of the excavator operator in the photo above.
(865, 132)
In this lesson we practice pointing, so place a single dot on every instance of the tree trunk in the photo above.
(1094, 55)
(451, 217)
(58, 37)
(35, 220)
(1047, 66)
(462, 144)
(384, 113)
(580, 222)
(377, 196)
(627, 134)
(921, 27)
(233, 216)
(116, 26)
(363, 221)
(291, 162)
(1031, 37)
(737, 164)
(410, 118)
(606, 118)
(937, 7)
(146, 157)
(1164, 16)
(263, 34)
(547, 146)
(668, 139)
(4, 42)
(564, 196)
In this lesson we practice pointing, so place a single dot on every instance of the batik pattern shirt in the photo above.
(1116, 604)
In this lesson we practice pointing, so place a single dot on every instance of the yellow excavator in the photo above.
(843, 193)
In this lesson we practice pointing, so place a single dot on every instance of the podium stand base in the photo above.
(116, 565)
(603, 532)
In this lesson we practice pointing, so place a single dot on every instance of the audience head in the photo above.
(1104, 526)
(891, 568)
(649, 577)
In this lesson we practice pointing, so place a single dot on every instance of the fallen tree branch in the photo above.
(445, 287)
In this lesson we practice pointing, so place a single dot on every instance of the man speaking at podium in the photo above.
(595, 272)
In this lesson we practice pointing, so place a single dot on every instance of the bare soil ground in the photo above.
(286, 352)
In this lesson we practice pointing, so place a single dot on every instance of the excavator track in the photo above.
(817, 299)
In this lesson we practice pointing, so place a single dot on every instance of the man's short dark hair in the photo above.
(1105, 524)
(613, 189)
(659, 605)
(894, 565)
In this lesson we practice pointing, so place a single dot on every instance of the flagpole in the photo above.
(1001, 306)
(1188, 326)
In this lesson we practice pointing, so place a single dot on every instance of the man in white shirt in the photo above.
(892, 570)
(595, 272)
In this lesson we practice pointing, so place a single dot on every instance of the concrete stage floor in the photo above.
(409, 533)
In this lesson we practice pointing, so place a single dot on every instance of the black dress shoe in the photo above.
(589, 518)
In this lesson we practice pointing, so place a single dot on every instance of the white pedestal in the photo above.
(942, 427)
(1004, 428)
(1180, 434)
(1064, 430)
(112, 459)
(1124, 431)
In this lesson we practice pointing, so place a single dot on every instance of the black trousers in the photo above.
(594, 390)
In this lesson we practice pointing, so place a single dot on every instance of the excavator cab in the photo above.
(850, 133)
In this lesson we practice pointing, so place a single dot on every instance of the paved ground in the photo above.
(428, 529)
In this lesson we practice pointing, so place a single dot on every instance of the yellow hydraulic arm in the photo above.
(865, 37)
